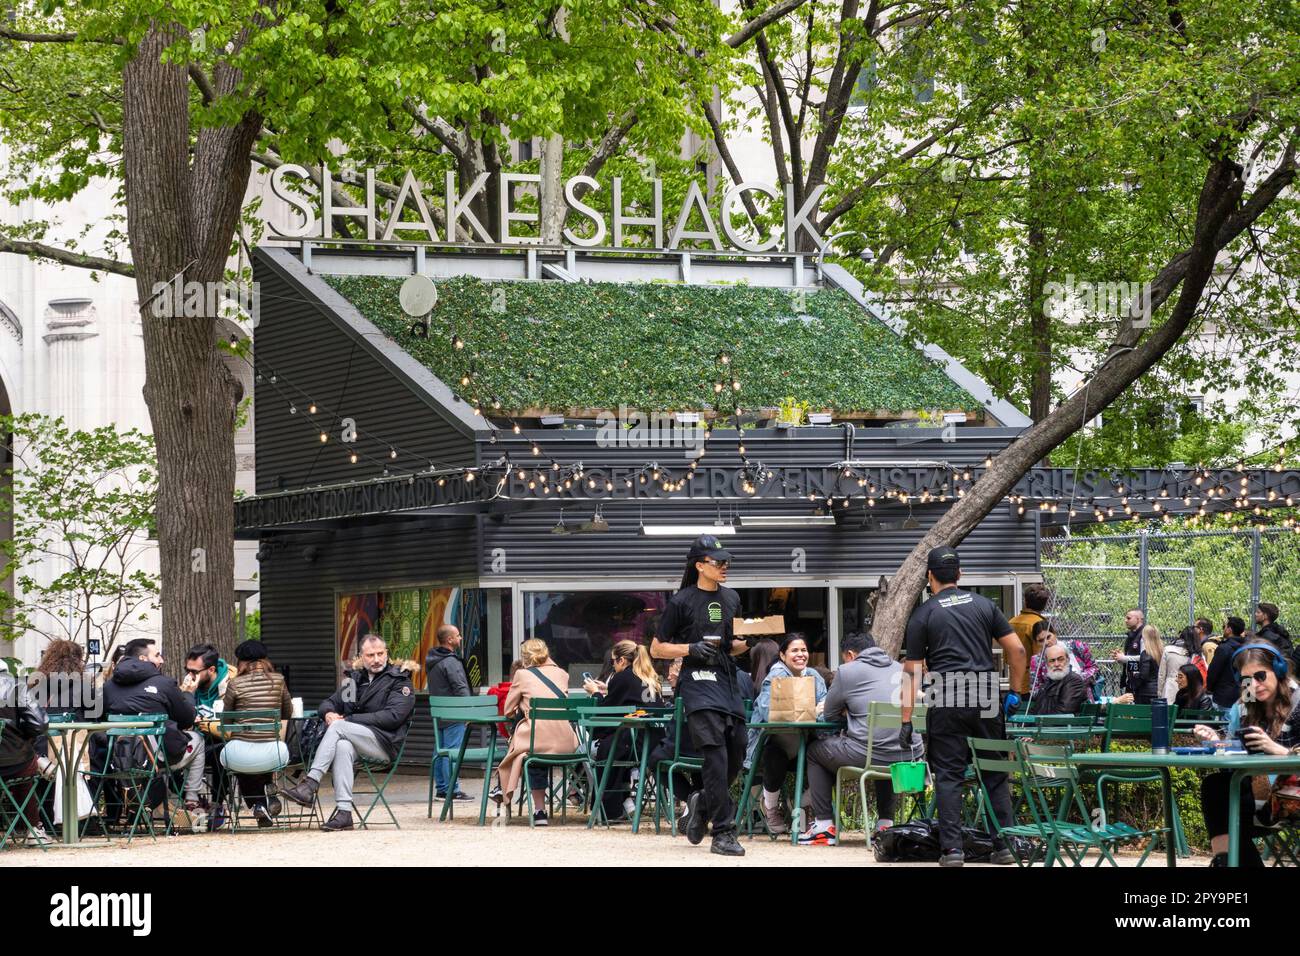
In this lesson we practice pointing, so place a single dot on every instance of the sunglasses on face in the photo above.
(1259, 677)
(716, 563)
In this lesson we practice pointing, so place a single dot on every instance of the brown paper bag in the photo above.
(794, 699)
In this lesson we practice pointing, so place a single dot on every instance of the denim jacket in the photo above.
(764, 700)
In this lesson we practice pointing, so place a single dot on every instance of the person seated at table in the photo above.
(369, 716)
(1191, 690)
(1177, 652)
(445, 676)
(207, 675)
(867, 675)
(1267, 720)
(25, 722)
(780, 748)
(1078, 653)
(633, 684)
(1063, 691)
(539, 679)
(763, 653)
(138, 686)
(253, 756)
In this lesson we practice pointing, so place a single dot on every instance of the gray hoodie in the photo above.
(871, 677)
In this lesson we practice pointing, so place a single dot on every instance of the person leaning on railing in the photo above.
(1267, 719)
(253, 756)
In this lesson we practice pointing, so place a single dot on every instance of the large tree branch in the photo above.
(720, 141)
(39, 250)
(755, 26)
(437, 127)
(609, 144)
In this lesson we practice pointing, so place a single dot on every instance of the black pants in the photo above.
(949, 756)
(780, 753)
(1214, 804)
(617, 786)
(720, 740)
(684, 783)
(252, 787)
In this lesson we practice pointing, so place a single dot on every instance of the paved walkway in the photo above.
(424, 842)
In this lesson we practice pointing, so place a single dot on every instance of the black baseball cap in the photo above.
(944, 557)
(708, 546)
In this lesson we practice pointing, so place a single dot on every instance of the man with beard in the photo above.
(1134, 620)
(1064, 691)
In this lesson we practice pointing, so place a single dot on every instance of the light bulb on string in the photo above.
(311, 409)
(324, 437)
(293, 409)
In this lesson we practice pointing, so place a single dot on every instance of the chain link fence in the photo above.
(1173, 578)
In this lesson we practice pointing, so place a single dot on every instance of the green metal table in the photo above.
(765, 730)
(1241, 766)
(633, 725)
(69, 762)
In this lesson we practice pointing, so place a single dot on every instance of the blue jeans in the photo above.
(450, 736)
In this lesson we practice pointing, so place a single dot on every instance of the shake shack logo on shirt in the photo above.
(955, 600)
(715, 613)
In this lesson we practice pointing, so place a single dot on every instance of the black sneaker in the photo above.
(1219, 859)
(341, 820)
(1002, 857)
(539, 819)
(460, 796)
(263, 816)
(953, 858)
(695, 822)
(274, 806)
(726, 844)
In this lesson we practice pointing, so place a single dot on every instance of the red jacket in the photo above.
(500, 691)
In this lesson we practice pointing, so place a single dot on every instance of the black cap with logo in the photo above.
(708, 546)
(941, 558)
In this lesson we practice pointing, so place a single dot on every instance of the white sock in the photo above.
(822, 824)
(771, 799)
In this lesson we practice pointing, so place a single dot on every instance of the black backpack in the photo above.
(302, 739)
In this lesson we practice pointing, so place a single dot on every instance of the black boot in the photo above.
(304, 794)
(341, 820)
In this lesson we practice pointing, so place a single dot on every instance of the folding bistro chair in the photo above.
(666, 769)
(13, 810)
(145, 770)
(244, 721)
(1134, 721)
(880, 716)
(602, 716)
(1047, 767)
(450, 710)
(566, 709)
(378, 774)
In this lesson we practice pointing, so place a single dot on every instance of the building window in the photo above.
(579, 627)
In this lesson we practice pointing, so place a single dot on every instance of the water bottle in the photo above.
(1159, 727)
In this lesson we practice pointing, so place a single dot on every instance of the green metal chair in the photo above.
(379, 773)
(136, 783)
(880, 716)
(676, 763)
(450, 710)
(1047, 767)
(1134, 721)
(233, 722)
(15, 810)
(1281, 845)
(571, 711)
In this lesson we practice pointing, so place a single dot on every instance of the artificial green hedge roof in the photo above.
(560, 346)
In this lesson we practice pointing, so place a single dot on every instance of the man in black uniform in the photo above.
(953, 634)
(1134, 620)
(696, 625)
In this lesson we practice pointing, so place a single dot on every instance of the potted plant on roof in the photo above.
(791, 413)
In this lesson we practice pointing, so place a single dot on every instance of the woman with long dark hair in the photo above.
(1267, 721)
(1191, 690)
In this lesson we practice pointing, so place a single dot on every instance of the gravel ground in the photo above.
(424, 842)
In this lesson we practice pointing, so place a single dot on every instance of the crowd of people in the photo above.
(725, 683)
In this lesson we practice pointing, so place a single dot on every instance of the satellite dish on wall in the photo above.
(418, 296)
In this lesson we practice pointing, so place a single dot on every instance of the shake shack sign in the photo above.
(409, 216)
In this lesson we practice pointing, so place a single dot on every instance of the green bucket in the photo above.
(908, 776)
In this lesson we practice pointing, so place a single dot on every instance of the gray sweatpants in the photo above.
(191, 762)
(825, 757)
(337, 753)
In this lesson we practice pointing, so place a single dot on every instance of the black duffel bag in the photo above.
(917, 841)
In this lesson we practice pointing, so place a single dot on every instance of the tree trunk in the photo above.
(180, 220)
(1125, 364)
(553, 210)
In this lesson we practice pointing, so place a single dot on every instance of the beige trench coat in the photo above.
(553, 736)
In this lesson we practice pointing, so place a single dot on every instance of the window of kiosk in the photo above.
(804, 611)
(580, 627)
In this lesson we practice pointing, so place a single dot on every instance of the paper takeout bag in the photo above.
(749, 626)
(793, 699)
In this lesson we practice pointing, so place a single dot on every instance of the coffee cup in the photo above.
(297, 706)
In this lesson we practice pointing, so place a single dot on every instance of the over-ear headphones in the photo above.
(1279, 662)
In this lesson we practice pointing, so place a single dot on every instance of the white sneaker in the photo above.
(629, 807)
(38, 836)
